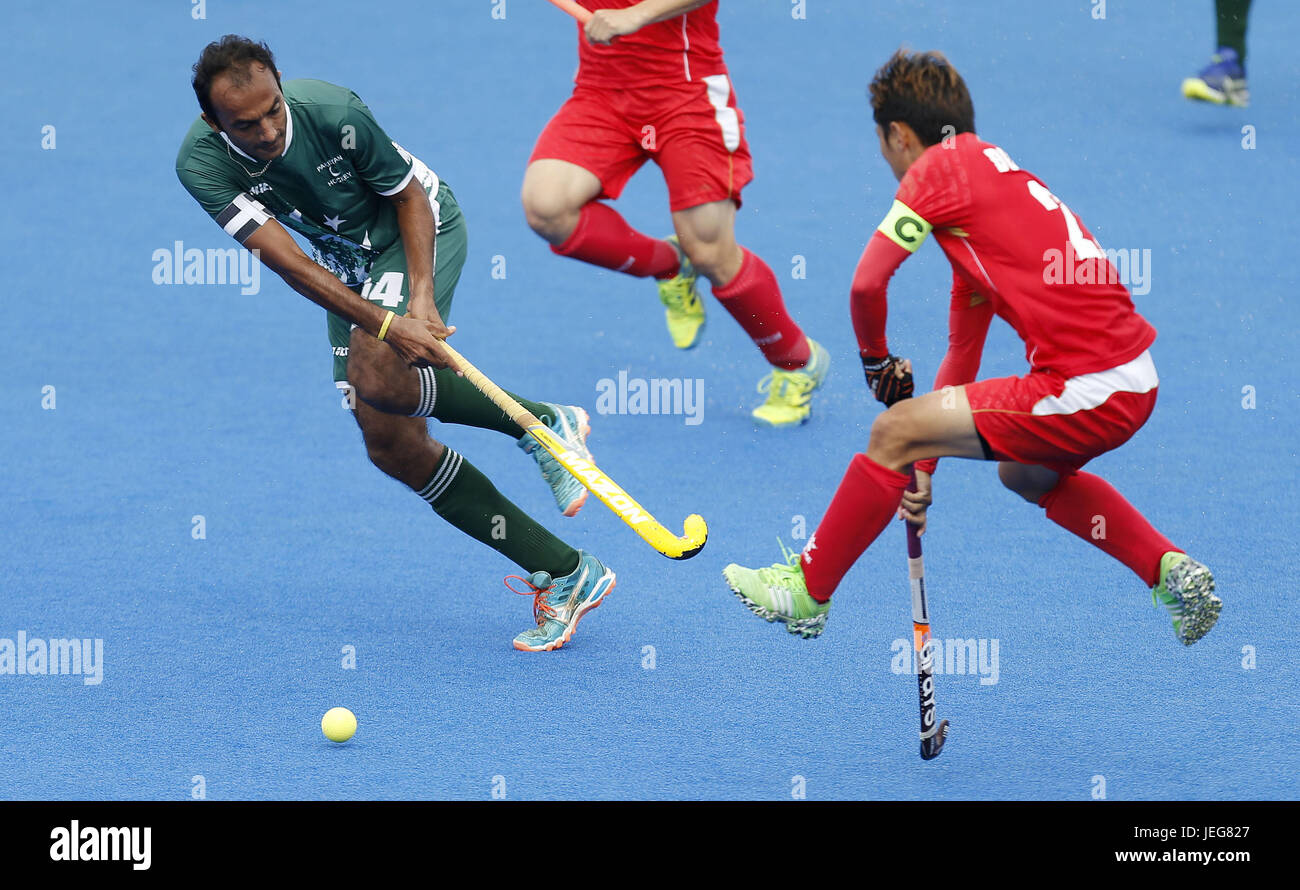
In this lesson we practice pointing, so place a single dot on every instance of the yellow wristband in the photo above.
(388, 319)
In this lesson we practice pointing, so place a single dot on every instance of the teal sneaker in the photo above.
(779, 593)
(571, 426)
(1186, 589)
(559, 603)
(789, 393)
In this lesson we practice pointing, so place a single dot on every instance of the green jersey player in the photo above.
(389, 242)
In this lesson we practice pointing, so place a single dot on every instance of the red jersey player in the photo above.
(1091, 382)
(652, 85)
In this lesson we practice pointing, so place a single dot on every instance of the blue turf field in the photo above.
(221, 654)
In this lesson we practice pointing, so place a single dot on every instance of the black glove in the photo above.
(883, 379)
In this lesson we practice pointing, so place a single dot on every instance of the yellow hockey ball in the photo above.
(338, 724)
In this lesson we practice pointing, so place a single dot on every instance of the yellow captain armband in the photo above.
(904, 227)
(383, 328)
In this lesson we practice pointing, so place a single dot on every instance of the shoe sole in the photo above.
(584, 430)
(781, 426)
(1201, 607)
(1199, 91)
(577, 616)
(807, 628)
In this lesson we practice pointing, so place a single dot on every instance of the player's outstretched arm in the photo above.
(415, 341)
(606, 24)
(419, 230)
(888, 376)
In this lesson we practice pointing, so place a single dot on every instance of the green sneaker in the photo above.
(683, 309)
(779, 593)
(1186, 589)
(789, 393)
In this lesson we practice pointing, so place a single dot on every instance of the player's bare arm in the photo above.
(606, 24)
(415, 341)
(419, 231)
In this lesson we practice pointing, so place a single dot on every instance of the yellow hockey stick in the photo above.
(696, 532)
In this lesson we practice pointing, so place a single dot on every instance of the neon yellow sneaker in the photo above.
(779, 593)
(683, 308)
(789, 393)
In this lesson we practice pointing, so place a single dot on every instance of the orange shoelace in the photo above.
(541, 608)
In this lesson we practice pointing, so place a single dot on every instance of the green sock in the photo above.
(453, 399)
(1232, 25)
(467, 499)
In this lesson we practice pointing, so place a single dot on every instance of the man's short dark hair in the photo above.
(924, 91)
(231, 54)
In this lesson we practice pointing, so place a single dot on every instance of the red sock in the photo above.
(1089, 507)
(754, 299)
(868, 497)
(603, 238)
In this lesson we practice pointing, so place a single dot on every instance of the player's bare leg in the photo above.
(560, 205)
(942, 424)
(797, 592)
(707, 234)
(1029, 481)
(1090, 508)
(747, 288)
(384, 383)
(937, 424)
(400, 447)
(565, 583)
(553, 196)
(380, 378)
(914, 429)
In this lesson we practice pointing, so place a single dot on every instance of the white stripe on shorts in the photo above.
(1088, 391)
(719, 92)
